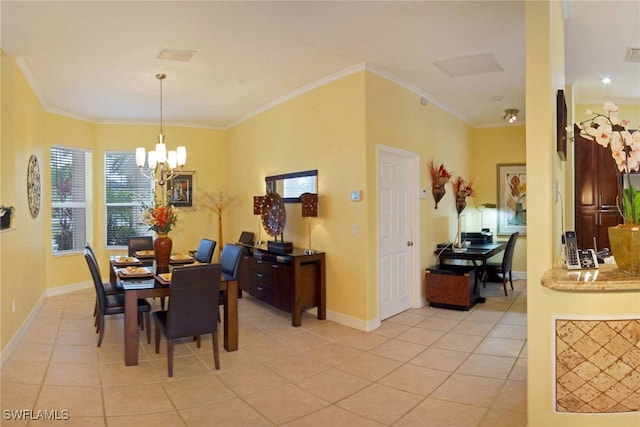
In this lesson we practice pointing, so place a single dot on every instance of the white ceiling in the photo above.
(97, 60)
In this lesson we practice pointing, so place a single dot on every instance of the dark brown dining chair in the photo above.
(502, 269)
(192, 309)
(204, 254)
(109, 288)
(140, 243)
(113, 304)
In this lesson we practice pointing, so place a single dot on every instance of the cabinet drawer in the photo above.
(261, 278)
(262, 291)
(261, 266)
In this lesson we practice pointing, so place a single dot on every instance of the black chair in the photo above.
(204, 254)
(140, 243)
(112, 304)
(109, 288)
(503, 268)
(192, 309)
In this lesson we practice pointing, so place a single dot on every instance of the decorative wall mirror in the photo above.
(291, 185)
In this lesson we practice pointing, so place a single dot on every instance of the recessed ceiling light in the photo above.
(497, 98)
(605, 80)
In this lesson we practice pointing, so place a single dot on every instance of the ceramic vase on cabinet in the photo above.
(162, 249)
(625, 247)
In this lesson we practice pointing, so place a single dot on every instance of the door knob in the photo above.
(409, 243)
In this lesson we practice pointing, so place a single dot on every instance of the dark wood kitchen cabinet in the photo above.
(597, 193)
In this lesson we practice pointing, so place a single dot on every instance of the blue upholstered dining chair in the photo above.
(204, 254)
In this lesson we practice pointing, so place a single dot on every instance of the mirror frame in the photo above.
(271, 182)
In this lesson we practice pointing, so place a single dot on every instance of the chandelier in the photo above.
(161, 165)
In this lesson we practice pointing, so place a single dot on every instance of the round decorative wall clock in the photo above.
(33, 186)
(273, 214)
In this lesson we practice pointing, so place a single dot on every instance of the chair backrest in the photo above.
(193, 306)
(230, 260)
(93, 255)
(205, 250)
(140, 243)
(246, 238)
(97, 279)
(507, 259)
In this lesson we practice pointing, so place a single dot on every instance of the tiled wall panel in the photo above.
(597, 365)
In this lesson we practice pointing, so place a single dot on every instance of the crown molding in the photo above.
(297, 92)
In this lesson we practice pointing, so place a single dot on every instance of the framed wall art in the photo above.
(512, 198)
(561, 125)
(181, 189)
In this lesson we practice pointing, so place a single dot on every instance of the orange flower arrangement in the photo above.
(160, 218)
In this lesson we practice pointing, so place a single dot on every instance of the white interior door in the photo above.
(396, 203)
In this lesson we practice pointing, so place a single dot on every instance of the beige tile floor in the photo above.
(423, 367)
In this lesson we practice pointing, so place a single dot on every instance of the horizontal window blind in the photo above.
(125, 189)
(70, 197)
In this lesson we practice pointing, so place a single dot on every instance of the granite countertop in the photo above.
(605, 278)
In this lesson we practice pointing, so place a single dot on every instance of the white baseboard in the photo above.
(15, 340)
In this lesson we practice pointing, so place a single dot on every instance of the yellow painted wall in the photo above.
(322, 129)
(23, 248)
(492, 146)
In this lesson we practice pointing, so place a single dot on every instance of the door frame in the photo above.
(414, 211)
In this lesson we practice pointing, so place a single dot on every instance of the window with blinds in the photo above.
(70, 198)
(125, 189)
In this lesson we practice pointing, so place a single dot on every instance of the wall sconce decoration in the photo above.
(439, 177)
(309, 210)
(6, 213)
(257, 210)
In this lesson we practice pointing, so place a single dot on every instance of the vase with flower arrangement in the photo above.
(161, 219)
(439, 177)
(461, 190)
(609, 130)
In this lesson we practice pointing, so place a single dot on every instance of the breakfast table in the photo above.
(143, 281)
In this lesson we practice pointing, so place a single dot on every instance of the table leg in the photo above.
(131, 328)
(322, 304)
(231, 316)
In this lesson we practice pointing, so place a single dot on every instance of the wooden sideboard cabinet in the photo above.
(291, 282)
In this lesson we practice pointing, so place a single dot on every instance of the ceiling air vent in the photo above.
(176, 54)
(633, 54)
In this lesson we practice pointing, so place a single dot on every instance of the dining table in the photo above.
(477, 253)
(146, 282)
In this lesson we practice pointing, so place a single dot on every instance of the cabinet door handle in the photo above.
(275, 266)
(258, 274)
(259, 261)
(260, 288)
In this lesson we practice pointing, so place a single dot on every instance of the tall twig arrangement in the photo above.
(218, 203)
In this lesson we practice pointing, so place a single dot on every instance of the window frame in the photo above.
(86, 205)
(133, 204)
